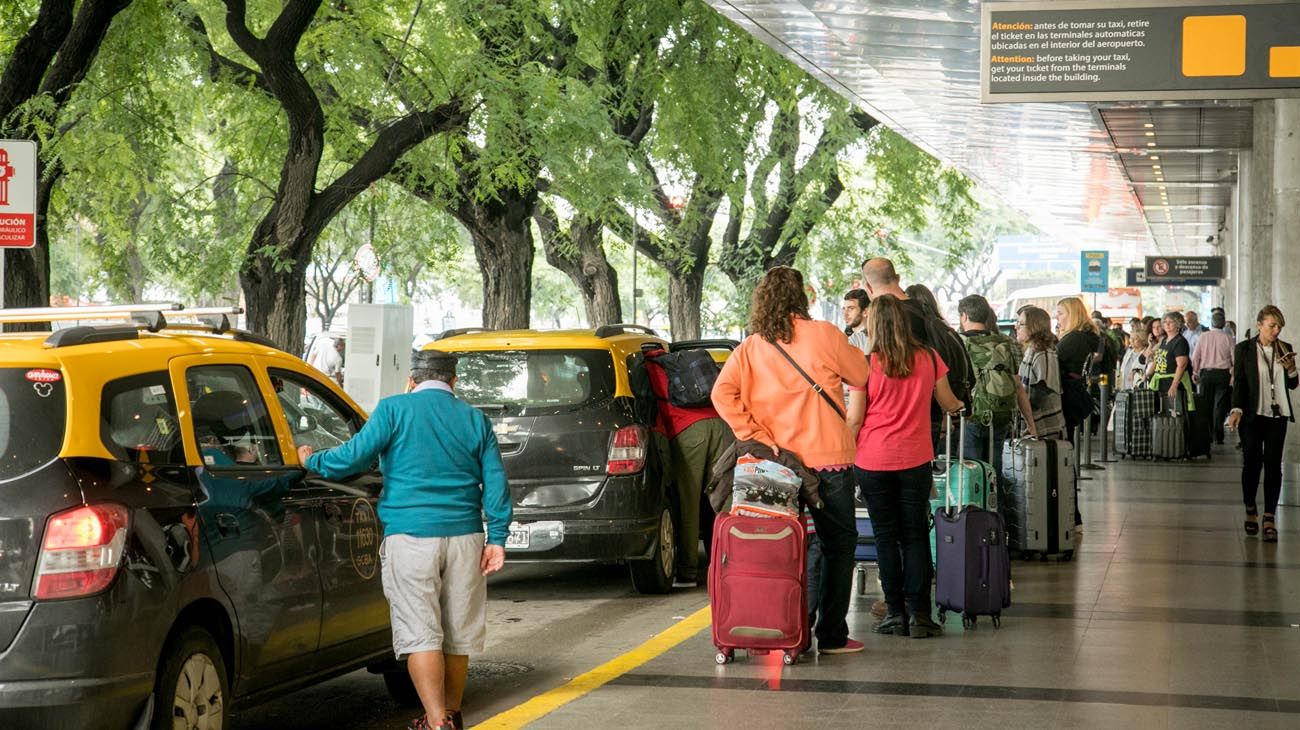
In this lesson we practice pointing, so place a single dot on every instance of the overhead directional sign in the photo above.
(17, 193)
(1103, 50)
(1184, 267)
(1094, 271)
(1138, 277)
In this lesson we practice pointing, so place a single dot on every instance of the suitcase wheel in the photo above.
(791, 657)
(1067, 556)
(724, 656)
(968, 621)
(942, 615)
(997, 620)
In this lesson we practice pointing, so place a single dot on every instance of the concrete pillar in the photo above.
(1286, 224)
(1225, 294)
(1261, 204)
(1241, 312)
(1286, 210)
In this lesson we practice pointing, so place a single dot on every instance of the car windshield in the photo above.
(33, 411)
(535, 381)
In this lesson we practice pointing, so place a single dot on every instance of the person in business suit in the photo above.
(1263, 378)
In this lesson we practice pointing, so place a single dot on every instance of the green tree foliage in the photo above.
(894, 192)
(43, 68)
(385, 94)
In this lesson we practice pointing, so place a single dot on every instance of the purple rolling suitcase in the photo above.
(972, 563)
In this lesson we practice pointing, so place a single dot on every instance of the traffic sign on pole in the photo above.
(17, 193)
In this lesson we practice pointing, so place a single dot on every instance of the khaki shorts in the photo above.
(436, 593)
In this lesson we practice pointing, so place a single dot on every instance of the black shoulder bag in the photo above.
(816, 388)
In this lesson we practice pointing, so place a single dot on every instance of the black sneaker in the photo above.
(923, 626)
(894, 623)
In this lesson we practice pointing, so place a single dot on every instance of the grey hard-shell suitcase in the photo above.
(1169, 430)
(1038, 498)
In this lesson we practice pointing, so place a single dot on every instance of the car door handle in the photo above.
(228, 523)
(333, 514)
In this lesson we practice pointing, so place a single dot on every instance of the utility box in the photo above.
(378, 351)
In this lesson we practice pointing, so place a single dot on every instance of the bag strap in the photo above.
(816, 388)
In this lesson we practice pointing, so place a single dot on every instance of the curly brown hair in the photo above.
(778, 300)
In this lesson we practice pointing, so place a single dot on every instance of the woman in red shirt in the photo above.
(891, 417)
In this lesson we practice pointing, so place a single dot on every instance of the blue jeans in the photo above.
(899, 502)
(977, 444)
(837, 531)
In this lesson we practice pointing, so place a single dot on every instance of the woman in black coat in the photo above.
(1264, 374)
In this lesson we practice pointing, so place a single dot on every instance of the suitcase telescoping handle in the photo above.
(947, 460)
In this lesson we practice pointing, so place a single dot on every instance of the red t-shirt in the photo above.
(671, 420)
(896, 433)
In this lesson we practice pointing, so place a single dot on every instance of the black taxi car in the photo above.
(163, 556)
(587, 477)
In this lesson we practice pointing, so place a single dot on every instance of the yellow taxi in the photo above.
(163, 555)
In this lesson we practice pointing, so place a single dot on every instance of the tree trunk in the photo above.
(685, 296)
(27, 270)
(502, 232)
(505, 257)
(276, 300)
(583, 260)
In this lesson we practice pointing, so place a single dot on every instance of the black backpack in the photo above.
(642, 390)
(691, 375)
(949, 345)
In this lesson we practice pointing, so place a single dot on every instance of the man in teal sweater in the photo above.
(442, 476)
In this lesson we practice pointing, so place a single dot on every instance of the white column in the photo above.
(1261, 204)
(1243, 309)
(1286, 211)
(1286, 224)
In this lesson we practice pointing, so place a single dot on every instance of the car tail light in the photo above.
(81, 551)
(627, 452)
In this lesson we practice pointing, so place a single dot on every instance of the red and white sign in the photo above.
(1160, 267)
(17, 193)
(44, 376)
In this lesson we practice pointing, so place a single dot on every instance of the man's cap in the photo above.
(432, 360)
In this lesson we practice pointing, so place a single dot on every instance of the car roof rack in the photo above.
(150, 317)
(623, 328)
(458, 331)
(713, 344)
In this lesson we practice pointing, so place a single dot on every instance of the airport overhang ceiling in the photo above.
(1134, 178)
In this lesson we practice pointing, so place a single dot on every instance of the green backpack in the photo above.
(993, 399)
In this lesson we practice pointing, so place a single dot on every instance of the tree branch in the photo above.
(32, 55)
(218, 63)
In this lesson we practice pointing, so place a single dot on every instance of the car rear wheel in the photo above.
(191, 692)
(656, 574)
(401, 688)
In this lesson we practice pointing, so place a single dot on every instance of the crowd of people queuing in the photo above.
(1043, 383)
(860, 408)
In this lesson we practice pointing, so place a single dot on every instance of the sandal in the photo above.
(1252, 522)
(1270, 532)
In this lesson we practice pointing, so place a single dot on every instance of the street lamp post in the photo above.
(635, 291)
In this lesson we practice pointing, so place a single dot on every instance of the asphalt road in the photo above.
(546, 625)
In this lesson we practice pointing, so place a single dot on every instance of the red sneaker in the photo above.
(850, 647)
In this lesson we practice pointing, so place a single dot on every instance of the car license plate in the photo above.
(517, 539)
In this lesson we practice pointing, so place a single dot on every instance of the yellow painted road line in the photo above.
(553, 700)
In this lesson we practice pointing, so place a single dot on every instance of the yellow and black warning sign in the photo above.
(1142, 50)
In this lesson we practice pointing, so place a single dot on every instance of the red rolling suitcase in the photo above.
(758, 586)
